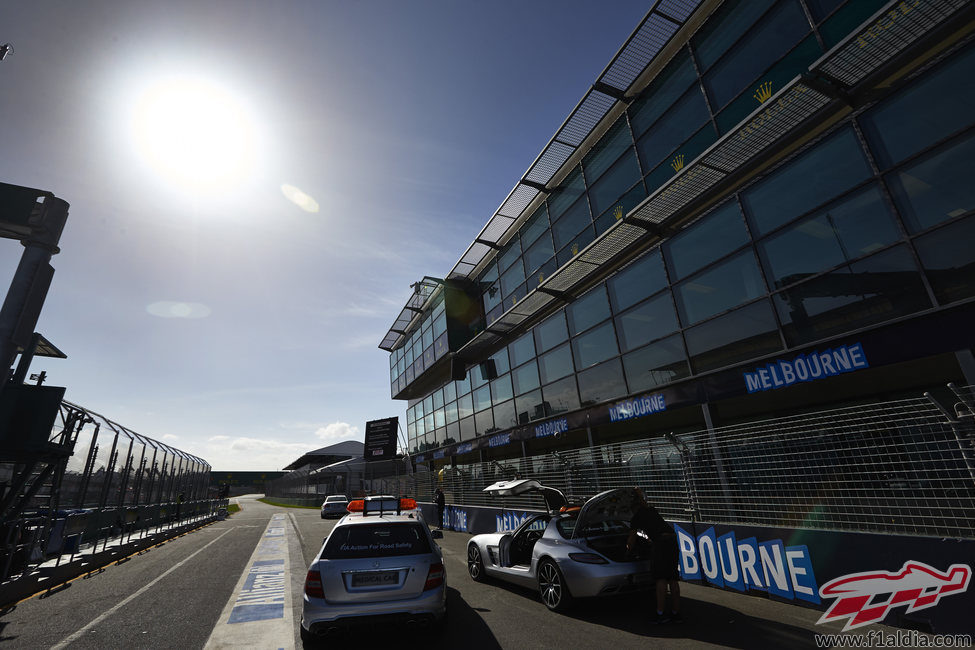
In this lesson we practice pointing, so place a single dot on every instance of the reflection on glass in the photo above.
(551, 332)
(719, 288)
(656, 364)
(747, 333)
(561, 396)
(595, 345)
(706, 240)
(948, 259)
(588, 310)
(601, 383)
(639, 280)
(529, 407)
(555, 364)
(648, 321)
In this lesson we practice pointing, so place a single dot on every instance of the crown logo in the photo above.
(763, 92)
(514, 300)
(541, 278)
(575, 249)
(618, 212)
(678, 163)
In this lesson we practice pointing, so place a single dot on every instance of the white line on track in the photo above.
(77, 635)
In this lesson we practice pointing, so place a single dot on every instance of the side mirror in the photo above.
(436, 534)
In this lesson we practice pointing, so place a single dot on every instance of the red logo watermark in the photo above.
(865, 598)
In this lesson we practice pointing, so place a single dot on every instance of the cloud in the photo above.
(337, 432)
(218, 438)
(259, 445)
(170, 436)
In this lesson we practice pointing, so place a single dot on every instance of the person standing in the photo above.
(648, 523)
(441, 502)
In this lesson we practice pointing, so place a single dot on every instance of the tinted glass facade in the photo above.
(865, 223)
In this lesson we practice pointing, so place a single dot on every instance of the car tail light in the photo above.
(588, 558)
(434, 576)
(313, 584)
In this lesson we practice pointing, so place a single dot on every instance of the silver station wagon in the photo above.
(379, 564)
(566, 553)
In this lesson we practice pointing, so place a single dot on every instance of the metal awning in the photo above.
(423, 291)
(663, 20)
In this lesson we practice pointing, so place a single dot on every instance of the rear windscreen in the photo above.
(375, 540)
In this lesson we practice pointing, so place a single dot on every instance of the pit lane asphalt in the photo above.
(182, 608)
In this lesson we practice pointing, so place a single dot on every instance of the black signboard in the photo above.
(381, 439)
(16, 206)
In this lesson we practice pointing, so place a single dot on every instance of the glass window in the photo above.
(822, 8)
(439, 419)
(529, 407)
(428, 405)
(922, 114)
(588, 310)
(501, 389)
(747, 333)
(465, 406)
(598, 344)
(551, 332)
(706, 240)
(726, 26)
(656, 364)
(490, 287)
(428, 422)
(783, 27)
(641, 279)
(504, 415)
(571, 223)
(572, 187)
(938, 187)
(467, 429)
(509, 253)
(648, 321)
(948, 258)
(500, 359)
(539, 253)
(555, 364)
(670, 84)
(427, 339)
(829, 168)
(450, 410)
(482, 398)
(673, 129)
(871, 291)
(609, 148)
(614, 183)
(453, 432)
(449, 392)
(561, 396)
(522, 349)
(847, 230)
(525, 378)
(512, 278)
(572, 249)
(437, 399)
(621, 207)
(601, 383)
(534, 227)
(484, 421)
(719, 288)
(463, 385)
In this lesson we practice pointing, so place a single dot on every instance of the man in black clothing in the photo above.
(441, 501)
(648, 523)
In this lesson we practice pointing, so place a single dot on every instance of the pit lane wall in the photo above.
(856, 579)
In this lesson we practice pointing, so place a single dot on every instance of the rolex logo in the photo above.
(575, 249)
(678, 163)
(763, 92)
(618, 212)
(541, 278)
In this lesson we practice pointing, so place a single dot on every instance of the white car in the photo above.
(334, 506)
(380, 564)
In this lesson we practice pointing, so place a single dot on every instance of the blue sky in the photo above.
(228, 321)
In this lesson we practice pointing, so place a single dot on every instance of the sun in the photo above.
(194, 133)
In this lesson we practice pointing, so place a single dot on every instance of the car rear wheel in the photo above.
(475, 566)
(551, 587)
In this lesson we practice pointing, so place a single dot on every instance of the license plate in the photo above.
(375, 579)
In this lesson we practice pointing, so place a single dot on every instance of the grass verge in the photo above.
(272, 502)
(232, 508)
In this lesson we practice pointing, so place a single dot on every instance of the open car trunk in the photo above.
(614, 547)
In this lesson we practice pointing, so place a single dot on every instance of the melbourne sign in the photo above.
(807, 367)
(635, 408)
(381, 439)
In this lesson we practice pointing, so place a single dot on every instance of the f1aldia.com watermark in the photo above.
(896, 639)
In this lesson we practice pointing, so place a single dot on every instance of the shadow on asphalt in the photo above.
(704, 621)
(464, 625)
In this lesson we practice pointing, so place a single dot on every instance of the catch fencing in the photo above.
(98, 486)
(900, 467)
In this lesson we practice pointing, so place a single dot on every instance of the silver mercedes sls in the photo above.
(566, 553)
